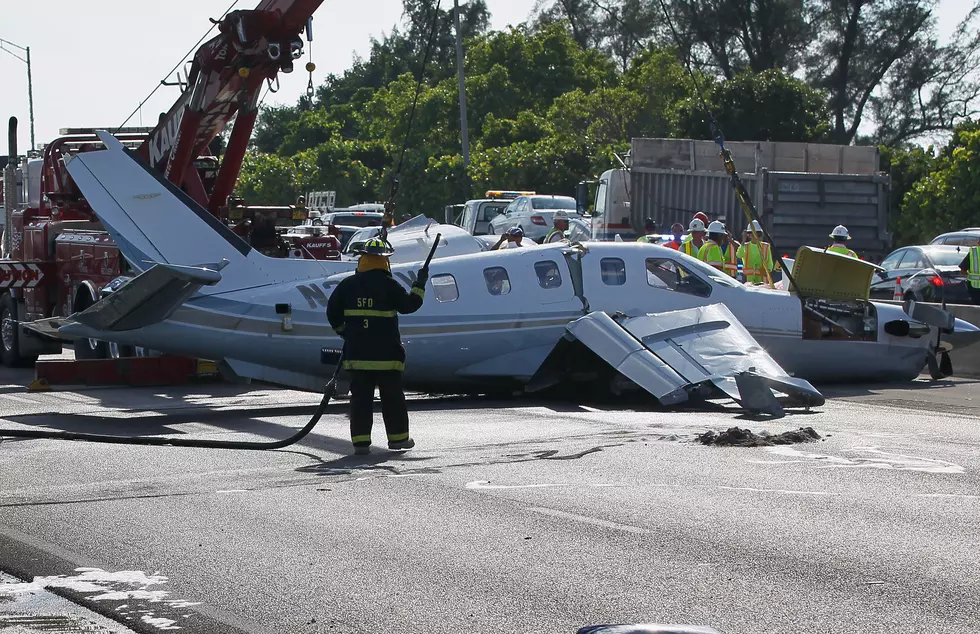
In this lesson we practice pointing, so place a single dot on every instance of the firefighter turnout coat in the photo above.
(364, 309)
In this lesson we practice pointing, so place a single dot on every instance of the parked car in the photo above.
(533, 214)
(928, 273)
(969, 237)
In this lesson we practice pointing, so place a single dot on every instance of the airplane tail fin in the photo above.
(154, 222)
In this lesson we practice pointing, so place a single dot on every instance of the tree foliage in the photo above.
(550, 101)
(947, 197)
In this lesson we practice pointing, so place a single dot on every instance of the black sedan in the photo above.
(928, 273)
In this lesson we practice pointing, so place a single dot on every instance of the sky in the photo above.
(94, 61)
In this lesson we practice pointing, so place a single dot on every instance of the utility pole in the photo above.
(30, 84)
(462, 88)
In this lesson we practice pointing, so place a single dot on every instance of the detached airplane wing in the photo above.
(669, 353)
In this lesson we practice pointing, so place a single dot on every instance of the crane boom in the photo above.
(224, 81)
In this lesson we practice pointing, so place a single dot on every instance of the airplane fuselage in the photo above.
(495, 316)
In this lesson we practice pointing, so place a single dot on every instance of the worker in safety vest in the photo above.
(971, 266)
(730, 251)
(712, 252)
(755, 254)
(692, 245)
(560, 226)
(840, 237)
(677, 239)
(649, 232)
(363, 310)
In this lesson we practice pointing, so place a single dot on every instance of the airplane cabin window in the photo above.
(669, 275)
(613, 271)
(548, 274)
(445, 288)
(498, 283)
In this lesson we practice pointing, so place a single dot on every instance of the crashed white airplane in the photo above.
(664, 321)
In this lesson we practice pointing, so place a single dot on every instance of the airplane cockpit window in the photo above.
(548, 274)
(445, 288)
(613, 271)
(498, 282)
(670, 275)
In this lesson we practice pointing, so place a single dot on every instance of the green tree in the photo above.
(767, 106)
(948, 198)
(905, 166)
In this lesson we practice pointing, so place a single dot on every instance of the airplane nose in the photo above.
(964, 334)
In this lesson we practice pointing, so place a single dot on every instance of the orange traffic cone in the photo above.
(897, 294)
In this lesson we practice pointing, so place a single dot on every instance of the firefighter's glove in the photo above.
(423, 277)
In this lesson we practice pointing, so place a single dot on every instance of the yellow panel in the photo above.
(826, 274)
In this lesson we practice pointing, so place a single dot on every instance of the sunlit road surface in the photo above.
(516, 516)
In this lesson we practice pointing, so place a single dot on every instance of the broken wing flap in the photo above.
(47, 329)
(147, 299)
(669, 354)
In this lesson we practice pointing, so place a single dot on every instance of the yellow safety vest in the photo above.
(753, 260)
(839, 248)
(688, 247)
(973, 274)
(710, 253)
(731, 260)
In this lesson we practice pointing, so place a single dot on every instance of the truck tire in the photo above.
(86, 348)
(9, 338)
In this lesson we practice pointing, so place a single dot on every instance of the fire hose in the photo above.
(329, 391)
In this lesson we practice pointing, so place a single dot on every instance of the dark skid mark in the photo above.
(114, 498)
(738, 437)
(50, 623)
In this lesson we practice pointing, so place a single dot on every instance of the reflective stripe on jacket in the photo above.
(364, 309)
(731, 260)
(710, 253)
(688, 247)
(753, 261)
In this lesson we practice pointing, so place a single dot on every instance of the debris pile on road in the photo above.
(738, 437)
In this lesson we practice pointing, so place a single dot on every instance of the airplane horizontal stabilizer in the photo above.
(149, 298)
(669, 354)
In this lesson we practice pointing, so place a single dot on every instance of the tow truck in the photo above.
(56, 256)
(475, 215)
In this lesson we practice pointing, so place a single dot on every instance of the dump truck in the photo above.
(801, 191)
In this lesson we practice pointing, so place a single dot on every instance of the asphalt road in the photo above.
(520, 516)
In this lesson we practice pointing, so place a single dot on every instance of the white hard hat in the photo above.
(314, 213)
(756, 226)
(696, 225)
(561, 215)
(840, 233)
(716, 227)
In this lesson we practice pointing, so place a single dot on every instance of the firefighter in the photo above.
(649, 232)
(692, 245)
(840, 237)
(363, 310)
(560, 226)
(711, 252)
(755, 254)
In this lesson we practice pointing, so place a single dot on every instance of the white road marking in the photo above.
(485, 484)
(786, 491)
(873, 458)
(584, 519)
(966, 496)
(19, 399)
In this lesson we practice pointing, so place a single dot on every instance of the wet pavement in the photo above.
(519, 515)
